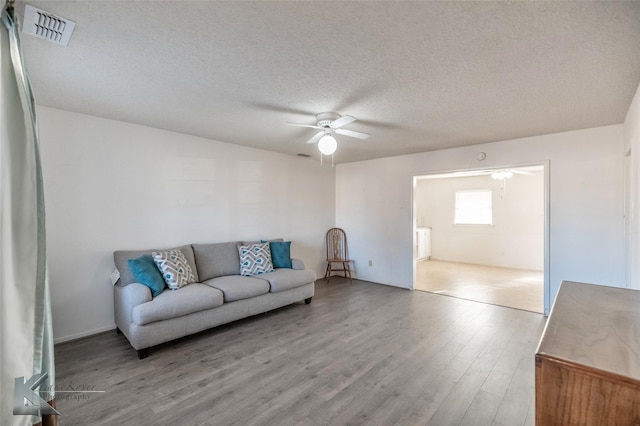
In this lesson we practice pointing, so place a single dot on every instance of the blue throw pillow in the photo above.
(281, 254)
(147, 273)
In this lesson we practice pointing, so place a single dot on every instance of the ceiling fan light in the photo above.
(327, 145)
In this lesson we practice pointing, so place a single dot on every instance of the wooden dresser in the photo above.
(588, 359)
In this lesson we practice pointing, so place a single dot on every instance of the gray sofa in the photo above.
(220, 295)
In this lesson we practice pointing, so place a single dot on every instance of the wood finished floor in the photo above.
(361, 353)
(514, 288)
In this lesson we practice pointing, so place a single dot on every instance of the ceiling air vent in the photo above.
(47, 26)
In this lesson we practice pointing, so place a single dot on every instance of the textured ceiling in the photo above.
(419, 76)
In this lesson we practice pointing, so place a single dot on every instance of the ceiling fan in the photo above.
(330, 123)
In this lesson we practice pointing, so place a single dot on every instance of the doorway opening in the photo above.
(483, 235)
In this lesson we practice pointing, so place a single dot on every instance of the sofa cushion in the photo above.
(121, 257)
(147, 273)
(175, 303)
(237, 287)
(217, 260)
(286, 279)
(255, 259)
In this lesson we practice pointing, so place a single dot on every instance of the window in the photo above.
(473, 208)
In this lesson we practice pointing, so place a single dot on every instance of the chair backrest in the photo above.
(337, 244)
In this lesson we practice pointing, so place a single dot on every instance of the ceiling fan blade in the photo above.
(315, 138)
(303, 125)
(352, 134)
(342, 121)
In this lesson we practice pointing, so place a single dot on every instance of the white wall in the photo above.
(373, 204)
(111, 185)
(632, 147)
(516, 238)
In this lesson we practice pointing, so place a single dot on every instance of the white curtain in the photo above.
(26, 346)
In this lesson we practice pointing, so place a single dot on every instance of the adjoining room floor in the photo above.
(514, 288)
(360, 353)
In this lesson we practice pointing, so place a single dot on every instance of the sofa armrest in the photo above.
(125, 298)
(297, 264)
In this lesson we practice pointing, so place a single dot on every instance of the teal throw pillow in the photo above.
(147, 273)
(281, 254)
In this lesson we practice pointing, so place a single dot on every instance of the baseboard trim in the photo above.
(366, 280)
(83, 334)
(393, 285)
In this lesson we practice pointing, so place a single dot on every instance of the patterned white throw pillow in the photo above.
(255, 259)
(174, 267)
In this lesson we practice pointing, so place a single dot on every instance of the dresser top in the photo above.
(595, 326)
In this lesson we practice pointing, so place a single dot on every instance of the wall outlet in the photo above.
(371, 263)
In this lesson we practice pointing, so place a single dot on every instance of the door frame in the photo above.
(547, 209)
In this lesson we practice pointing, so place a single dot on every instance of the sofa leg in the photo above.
(308, 300)
(143, 353)
(118, 331)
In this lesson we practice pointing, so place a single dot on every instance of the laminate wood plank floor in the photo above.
(514, 288)
(361, 353)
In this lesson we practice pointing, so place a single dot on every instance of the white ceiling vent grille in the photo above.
(47, 26)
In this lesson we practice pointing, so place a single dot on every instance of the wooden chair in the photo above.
(337, 254)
